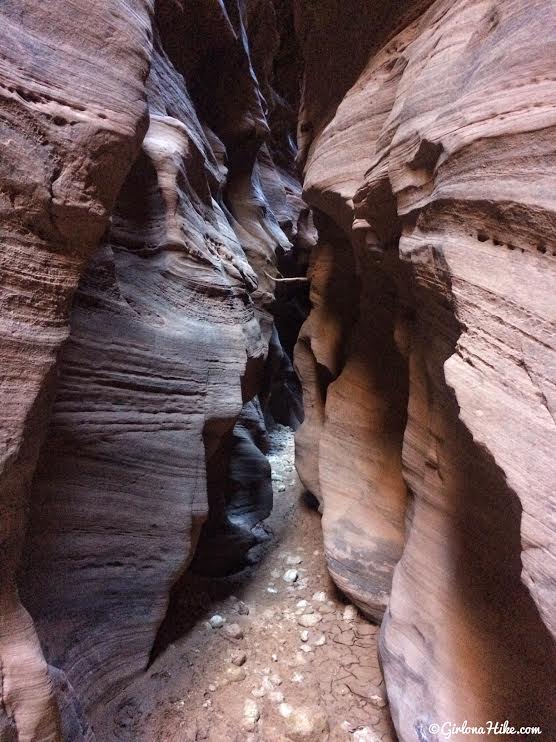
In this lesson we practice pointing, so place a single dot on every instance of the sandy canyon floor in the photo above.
(292, 660)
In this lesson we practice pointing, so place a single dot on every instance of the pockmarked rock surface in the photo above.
(428, 358)
(132, 167)
(72, 117)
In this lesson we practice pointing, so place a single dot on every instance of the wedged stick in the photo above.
(299, 279)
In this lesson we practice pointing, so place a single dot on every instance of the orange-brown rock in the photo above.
(435, 168)
(72, 116)
(169, 330)
(148, 199)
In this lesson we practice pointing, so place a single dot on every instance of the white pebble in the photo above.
(266, 685)
(309, 619)
(251, 710)
(320, 597)
(285, 710)
(350, 613)
(290, 575)
(276, 696)
(307, 722)
(304, 635)
(216, 621)
(365, 734)
(378, 702)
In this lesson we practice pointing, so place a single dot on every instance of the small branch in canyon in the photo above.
(297, 279)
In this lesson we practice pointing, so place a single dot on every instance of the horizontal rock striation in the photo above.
(70, 128)
(163, 154)
(427, 361)
(153, 238)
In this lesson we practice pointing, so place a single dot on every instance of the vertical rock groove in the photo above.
(154, 194)
(429, 165)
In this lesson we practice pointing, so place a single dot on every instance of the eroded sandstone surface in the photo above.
(429, 351)
(149, 199)
(70, 129)
(164, 158)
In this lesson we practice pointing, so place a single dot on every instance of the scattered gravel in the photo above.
(309, 619)
(303, 660)
(290, 575)
(350, 613)
(307, 723)
(238, 657)
(251, 714)
(233, 630)
(285, 710)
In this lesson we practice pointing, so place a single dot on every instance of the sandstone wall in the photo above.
(145, 128)
(70, 128)
(148, 192)
(428, 358)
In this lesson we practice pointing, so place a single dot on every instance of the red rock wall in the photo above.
(70, 128)
(168, 333)
(428, 358)
(163, 133)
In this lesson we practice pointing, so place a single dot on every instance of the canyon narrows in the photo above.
(195, 198)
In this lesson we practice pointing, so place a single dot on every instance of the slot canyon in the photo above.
(277, 370)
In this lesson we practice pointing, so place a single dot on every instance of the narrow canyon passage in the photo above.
(293, 659)
(225, 220)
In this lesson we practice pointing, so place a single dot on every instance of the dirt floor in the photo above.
(292, 660)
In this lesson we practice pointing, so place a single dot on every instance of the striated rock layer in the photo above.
(428, 358)
(157, 116)
(148, 193)
(72, 116)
